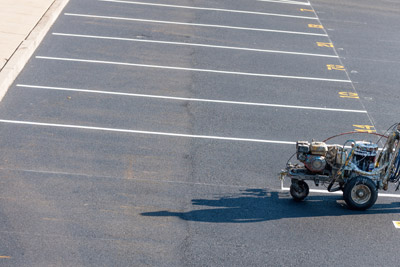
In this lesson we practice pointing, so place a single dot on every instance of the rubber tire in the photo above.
(348, 189)
(294, 192)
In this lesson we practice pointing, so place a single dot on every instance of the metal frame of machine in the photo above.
(359, 170)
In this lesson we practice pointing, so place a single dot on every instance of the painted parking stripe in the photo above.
(81, 127)
(186, 99)
(192, 69)
(341, 193)
(209, 9)
(193, 24)
(286, 2)
(193, 44)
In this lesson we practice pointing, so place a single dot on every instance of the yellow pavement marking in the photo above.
(348, 95)
(335, 67)
(322, 44)
(315, 26)
(364, 128)
(396, 224)
(306, 10)
(5, 257)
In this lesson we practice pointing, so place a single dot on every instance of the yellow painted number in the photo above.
(324, 44)
(335, 67)
(315, 26)
(364, 128)
(348, 95)
(306, 10)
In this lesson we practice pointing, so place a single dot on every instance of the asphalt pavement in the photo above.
(152, 134)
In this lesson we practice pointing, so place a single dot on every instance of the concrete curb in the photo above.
(26, 49)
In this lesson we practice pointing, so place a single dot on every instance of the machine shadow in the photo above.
(257, 205)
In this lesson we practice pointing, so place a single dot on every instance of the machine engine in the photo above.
(312, 155)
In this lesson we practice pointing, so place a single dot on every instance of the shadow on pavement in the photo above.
(256, 205)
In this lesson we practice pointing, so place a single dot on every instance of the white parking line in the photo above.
(194, 24)
(193, 44)
(209, 9)
(286, 2)
(186, 99)
(192, 69)
(145, 132)
(341, 193)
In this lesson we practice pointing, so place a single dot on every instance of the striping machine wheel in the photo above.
(299, 190)
(360, 193)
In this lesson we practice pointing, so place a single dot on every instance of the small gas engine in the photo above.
(357, 168)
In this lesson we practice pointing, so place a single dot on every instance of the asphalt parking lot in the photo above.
(151, 134)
